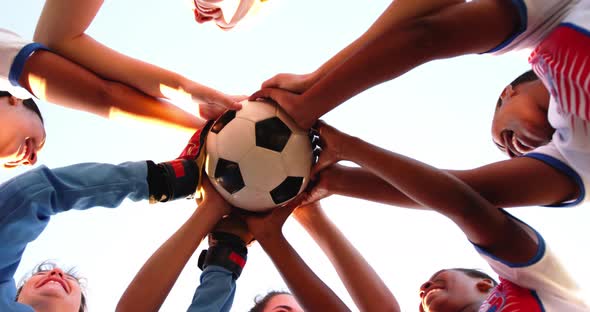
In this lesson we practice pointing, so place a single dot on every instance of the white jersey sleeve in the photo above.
(14, 52)
(551, 155)
(540, 284)
(537, 19)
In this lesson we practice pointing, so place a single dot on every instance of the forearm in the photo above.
(363, 184)
(155, 279)
(366, 288)
(397, 12)
(424, 184)
(53, 78)
(62, 26)
(98, 58)
(504, 184)
(309, 290)
(407, 37)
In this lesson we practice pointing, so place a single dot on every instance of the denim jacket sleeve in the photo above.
(29, 200)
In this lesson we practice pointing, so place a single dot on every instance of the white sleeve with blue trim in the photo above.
(537, 19)
(14, 52)
(543, 274)
(550, 155)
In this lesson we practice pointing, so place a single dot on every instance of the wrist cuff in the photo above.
(229, 254)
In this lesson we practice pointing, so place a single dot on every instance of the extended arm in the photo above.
(309, 290)
(366, 288)
(482, 222)
(505, 184)
(406, 36)
(155, 279)
(409, 33)
(29, 200)
(51, 77)
(62, 27)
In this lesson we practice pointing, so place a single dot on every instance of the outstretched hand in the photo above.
(213, 103)
(207, 193)
(289, 101)
(331, 141)
(268, 224)
(322, 184)
(291, 82)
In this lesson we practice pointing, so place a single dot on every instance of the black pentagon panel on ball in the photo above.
(288, 189)
(272, 134)
(223, 120)
(228, 175)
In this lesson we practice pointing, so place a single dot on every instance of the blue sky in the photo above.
(439, 113)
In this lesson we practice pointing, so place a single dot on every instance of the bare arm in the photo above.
(511, 183)
(53, 78)
(366, 288)
(482, 222)
(309, 290)
(155, 279)
(409, 33)
(62, 27)
(405, 42)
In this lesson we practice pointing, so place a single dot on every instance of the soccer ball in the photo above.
(257, 157)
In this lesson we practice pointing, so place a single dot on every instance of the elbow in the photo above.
(49, 39)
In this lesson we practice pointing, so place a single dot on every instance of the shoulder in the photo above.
(537, 19)
(14, 52)
(541, 282)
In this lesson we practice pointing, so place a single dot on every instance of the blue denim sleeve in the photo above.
(216, 291)
(29, 200)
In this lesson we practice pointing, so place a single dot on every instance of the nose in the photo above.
(424, 288)
(57, 271)
(33, 157)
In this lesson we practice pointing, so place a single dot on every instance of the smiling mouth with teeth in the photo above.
(429, 293)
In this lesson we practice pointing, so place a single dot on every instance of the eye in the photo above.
(41, 273)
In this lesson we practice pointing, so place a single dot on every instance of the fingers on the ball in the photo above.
(259, 94)
(266, 94)
(272, 82)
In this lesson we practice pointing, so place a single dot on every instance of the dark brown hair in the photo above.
(260, 302)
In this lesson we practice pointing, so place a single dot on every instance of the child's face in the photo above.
(282, 303)
(22, 135)
(520, 121)
(450, 290)
(52, 288)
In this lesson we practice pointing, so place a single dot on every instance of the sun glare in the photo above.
(38, 86)
(178, 96)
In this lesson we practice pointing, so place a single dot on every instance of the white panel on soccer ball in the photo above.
(211, 150)
(236, 139)
(257, 110)
(225, 194)
(290, 122)
(297, 156)
(252, 199)
(262, 169)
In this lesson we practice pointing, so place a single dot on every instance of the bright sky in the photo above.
(439, 113)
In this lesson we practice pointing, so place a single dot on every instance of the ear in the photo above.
(484, 285)
(507, 93)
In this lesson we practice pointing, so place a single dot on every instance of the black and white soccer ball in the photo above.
(257, 157)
